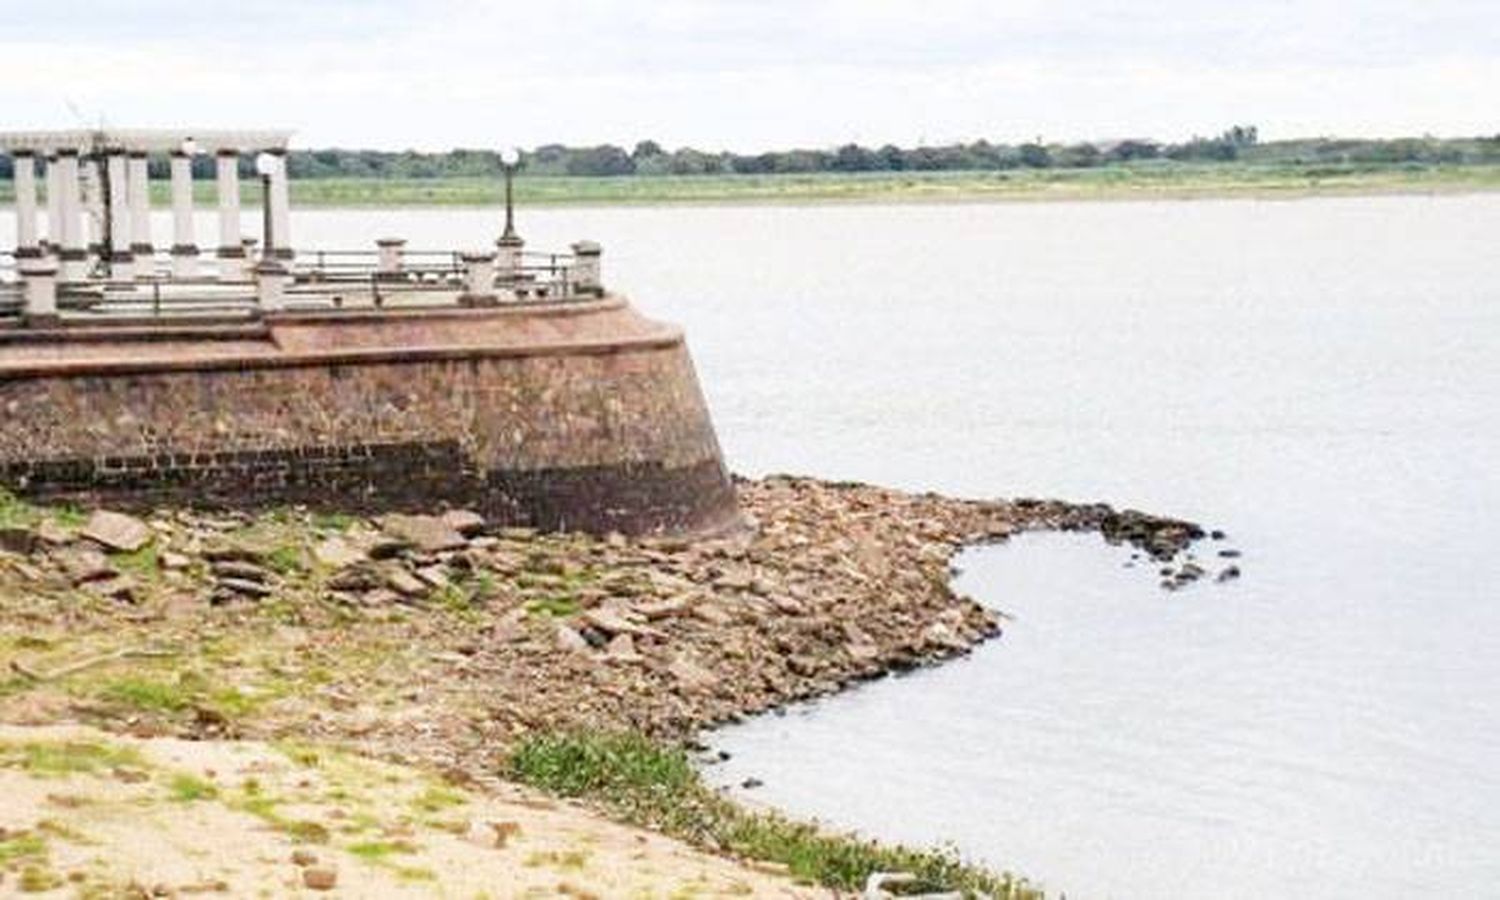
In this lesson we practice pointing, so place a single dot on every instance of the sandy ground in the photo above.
(86, 813)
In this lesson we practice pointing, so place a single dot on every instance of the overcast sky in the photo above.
(753, 74)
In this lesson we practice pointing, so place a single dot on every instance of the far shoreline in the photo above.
(1105, 184)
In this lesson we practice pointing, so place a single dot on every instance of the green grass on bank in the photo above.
(1141, 180)
(655, 786)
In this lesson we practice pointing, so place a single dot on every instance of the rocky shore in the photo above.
(436, 639)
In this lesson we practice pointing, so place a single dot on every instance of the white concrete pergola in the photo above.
(106, 169)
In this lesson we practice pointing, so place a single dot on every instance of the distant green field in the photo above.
(1157, 179)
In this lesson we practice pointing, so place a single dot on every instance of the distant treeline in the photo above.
(1238, 144)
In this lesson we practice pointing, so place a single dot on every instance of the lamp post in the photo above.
(510, 243)
(510, 160)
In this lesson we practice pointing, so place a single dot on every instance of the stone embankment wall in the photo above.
(583, 416)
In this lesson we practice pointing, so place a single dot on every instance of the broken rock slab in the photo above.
(428, 534)
(117, 531)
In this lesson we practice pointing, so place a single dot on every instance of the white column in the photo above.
(184, 244)
(23, 172)
(121, 261)
(54, 206)
(91, 190)
(140, 215)
(75, 258)
(231, 252)
(281, 207)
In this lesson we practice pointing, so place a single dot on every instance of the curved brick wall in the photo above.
(583, 416)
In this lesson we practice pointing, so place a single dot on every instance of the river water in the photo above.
(1320, 378)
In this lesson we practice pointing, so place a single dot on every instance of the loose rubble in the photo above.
(436, 638)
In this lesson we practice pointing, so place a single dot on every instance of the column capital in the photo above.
(65, 153)
(226, 152)
(136, 154)
(23, 153)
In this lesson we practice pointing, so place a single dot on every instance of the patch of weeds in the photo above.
(415, 873)
(340, 522)
(655, 786)
(142, 563)
(304, 755)
(186, 788)
(57, 829)
(566, 860)
(287, 559)
(263, 806)
(39, 879)
(15, 512)
(69, 516)
(377, 851)
(483, 585)
(307, 831)
(557, 606)
(22, 847)
(150, 694)
(453, 598)
(437, 798)
(66, 757)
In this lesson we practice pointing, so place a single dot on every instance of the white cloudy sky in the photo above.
(754, 74)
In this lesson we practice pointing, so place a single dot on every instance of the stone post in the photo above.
(479, 279)
(75, 259)
(391, 259)
(271, 280)
(281, 207)
(121, 262)
(509, 257)
(231, 252)
(184, 243)
(140, 215)
(39, 277)
(586, 269)
(23, 166)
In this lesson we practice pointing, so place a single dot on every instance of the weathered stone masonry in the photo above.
(581, 416)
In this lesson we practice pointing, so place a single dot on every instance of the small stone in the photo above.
(320, 878)
(491, 835)
(117, 531)
(244, 587)
(611, 622)
(337, 553)
(405, 583)
(464, 521)
(692, 676)
(570, 640)
(621, 647)
(174, 562)
(18, 539)
(52, 533)
(1229, 574)
(672, 606)
(435, 576)
(241, 570)
(304, 857)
